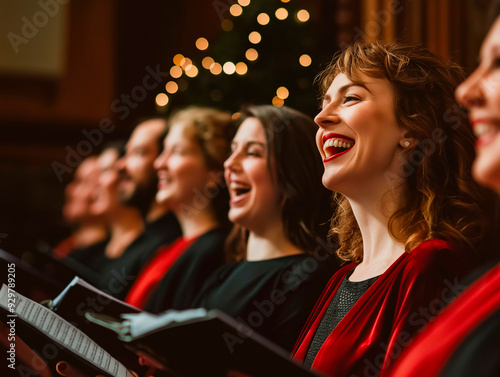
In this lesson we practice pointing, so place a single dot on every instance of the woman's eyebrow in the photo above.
(345, 88)
(249, 143)
(234, 144)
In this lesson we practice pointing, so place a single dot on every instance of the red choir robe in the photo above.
(432, 350)
(384, 321)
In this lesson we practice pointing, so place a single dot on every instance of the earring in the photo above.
(406, 143)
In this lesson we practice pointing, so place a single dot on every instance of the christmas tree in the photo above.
(267, 52)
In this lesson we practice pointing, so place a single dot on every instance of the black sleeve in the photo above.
(478, 353)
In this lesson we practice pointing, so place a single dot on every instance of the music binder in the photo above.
(35, 325)
(204, 343)
(80, 297)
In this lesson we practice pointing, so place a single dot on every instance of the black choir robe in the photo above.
(183, 281)
(116, 276)
(272, 297)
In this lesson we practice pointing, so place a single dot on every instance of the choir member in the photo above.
(191, 185)
(465, 338)
(398, 154)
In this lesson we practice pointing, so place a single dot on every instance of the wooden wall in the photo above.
(451, 28)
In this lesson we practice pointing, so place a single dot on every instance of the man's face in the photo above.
(138, 180)
(80, 192)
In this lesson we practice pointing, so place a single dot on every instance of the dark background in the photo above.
(109, 44)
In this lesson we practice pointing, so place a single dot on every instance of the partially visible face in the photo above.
(138, 181)
(182, 171)
(358, 136)
(106, 193)
(480, 94)
(255, 199)
(80, 192)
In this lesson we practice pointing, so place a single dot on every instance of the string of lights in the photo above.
(185, 68)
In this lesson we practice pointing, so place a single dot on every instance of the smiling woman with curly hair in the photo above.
(397, 151)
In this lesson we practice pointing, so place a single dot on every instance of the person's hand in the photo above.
(67, 370)
(25, 354)
(151, 362)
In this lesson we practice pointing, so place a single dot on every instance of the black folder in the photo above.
(201, 343)
(53, 338)
(79, 298)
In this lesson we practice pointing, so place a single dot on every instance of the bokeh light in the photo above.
(241, 68)
(251, 54)
(303, 15)
(171, 87)
(177, 59)
(161, 99)
(282, 92)
(281, 13)
(216, 69)
(305, 60)
(254, 37)
(201, 44)
(207, 62)
(176, 72)
(229, 68)
(185, 63)
(236, 10)
(263, 18)
(278, 102)
(191, 71)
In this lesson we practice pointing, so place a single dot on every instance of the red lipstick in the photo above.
(336, 151)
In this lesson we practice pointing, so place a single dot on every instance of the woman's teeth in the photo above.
(483, 129)
(335, 145)
(238, 189)
(164, 180)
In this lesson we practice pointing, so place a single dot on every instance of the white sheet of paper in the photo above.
(62, 332)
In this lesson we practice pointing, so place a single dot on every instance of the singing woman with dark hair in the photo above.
(281, 212)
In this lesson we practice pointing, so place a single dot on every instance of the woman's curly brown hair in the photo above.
(441, 199)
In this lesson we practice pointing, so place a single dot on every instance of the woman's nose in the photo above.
(470, 93)
(232, 161)
(327, 117)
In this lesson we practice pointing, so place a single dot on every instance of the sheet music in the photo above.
(63, 332)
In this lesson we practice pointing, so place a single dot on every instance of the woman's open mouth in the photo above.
(238, 191)
(335, 145)
(163, 180)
